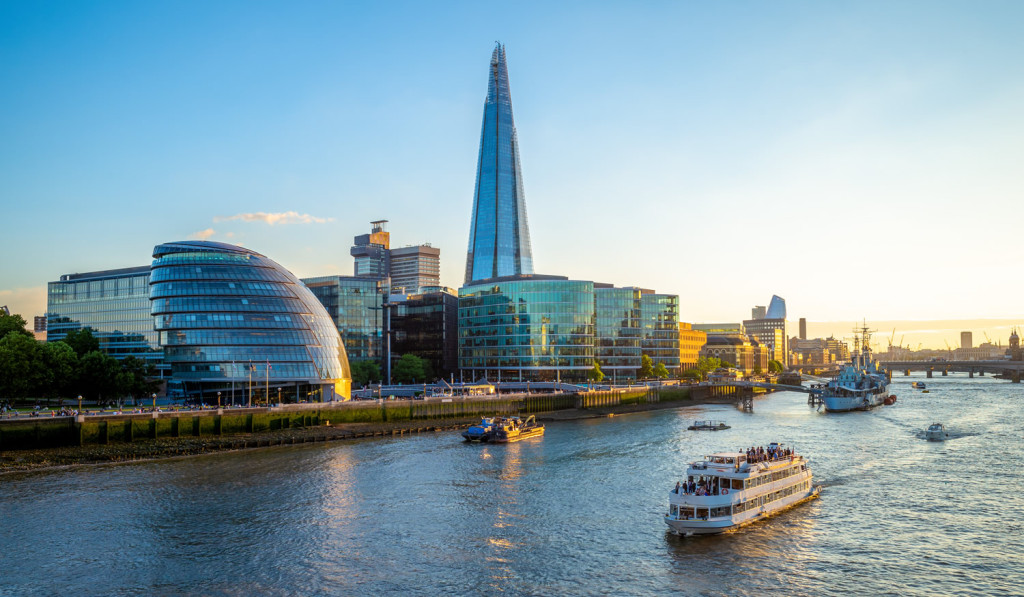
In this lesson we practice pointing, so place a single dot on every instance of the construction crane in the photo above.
(891, 338)
(987, 339)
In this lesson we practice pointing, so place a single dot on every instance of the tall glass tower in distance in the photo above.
(499, 236)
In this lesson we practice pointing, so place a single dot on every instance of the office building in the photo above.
(740, 350)
(355, 305)
(966, 340)
(546, 328)
(115, 305)
(232, 319)
(415, 268)
(372, 252)
(499, 235)
(690, 343)
(803, 328)
(770, 330)
(758, 312)
(39, 327)
(427, 325)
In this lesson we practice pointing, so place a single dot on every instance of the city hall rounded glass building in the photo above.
(232, 321)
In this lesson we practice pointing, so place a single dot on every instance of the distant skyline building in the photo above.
(776, 308)
(411, 269)
(499, 235)
(371, 252)
(966, 340)
(415, 268)
(758, 312)
(803, 328)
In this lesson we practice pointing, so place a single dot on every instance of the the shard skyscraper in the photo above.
(499, 236)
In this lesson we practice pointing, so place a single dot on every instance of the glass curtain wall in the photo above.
(618, 348)
(529, 330)
(231, 318)
(114, 304)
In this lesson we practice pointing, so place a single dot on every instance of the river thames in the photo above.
(578, 511)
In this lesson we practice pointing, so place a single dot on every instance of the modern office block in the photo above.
(499, 235)
(415, 268)
(114, 304)
(232, 319)
(355, 305)
(427, 325)
(372, 252)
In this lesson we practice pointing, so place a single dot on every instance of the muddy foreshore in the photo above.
(15, 461)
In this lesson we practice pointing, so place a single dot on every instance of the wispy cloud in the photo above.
(287, 217)
(202, 234)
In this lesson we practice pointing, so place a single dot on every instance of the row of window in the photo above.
(229, 320)
(236, 353)
(254, 305)
(170, 289)
(238, 338)
(222, 272)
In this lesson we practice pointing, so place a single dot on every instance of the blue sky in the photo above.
(860, 159)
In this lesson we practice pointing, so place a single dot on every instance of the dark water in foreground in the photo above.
(576, 512)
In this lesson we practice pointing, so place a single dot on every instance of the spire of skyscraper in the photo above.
(499, 236)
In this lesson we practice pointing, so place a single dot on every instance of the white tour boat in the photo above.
(727, 490)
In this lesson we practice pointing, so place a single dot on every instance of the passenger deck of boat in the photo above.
(737, 471)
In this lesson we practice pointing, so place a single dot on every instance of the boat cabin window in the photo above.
(675, 511)
(737, 483)
(702, 513)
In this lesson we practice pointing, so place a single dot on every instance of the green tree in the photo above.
(363, 372)
(660, 371)
(595, 374)
(774, 366)
(408, 369)
(137, 378)
(82, 341)
(13, 323)
(706, 365)
(98, 377)
(693, 373)
(18, 368)
(646, 367)
(62, 362)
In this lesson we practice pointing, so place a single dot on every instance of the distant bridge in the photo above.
(1012, 368)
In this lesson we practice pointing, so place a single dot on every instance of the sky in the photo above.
(860, 159)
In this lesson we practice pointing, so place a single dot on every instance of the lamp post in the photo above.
(154, 401)
(279, 396)
(218, 400)
(79, 404)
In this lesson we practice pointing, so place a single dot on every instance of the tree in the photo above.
(97, 377)
(693, 373)
(61, 360)
(137, 378)
(595, 374)
(646, 367)
(408, 369)
(363, 372)
(660, 371)
(82, 341)
(706, 365)
(13, 323)
(774, 366)
(17, 366)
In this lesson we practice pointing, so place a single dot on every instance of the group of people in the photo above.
(772, 453)
(702, 486)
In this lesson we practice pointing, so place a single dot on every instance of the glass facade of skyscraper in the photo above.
(499, 235)
(355, 306)
(617, 312)
(529, 328)
(228, 315)
(114, 304)
(549, 327)
(426, 325)
(659, 317)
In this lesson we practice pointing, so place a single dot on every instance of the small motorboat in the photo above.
(708, 426)
(936, 433)
(481, 432)
(918, 385)
(890, 400)
(513, 429)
